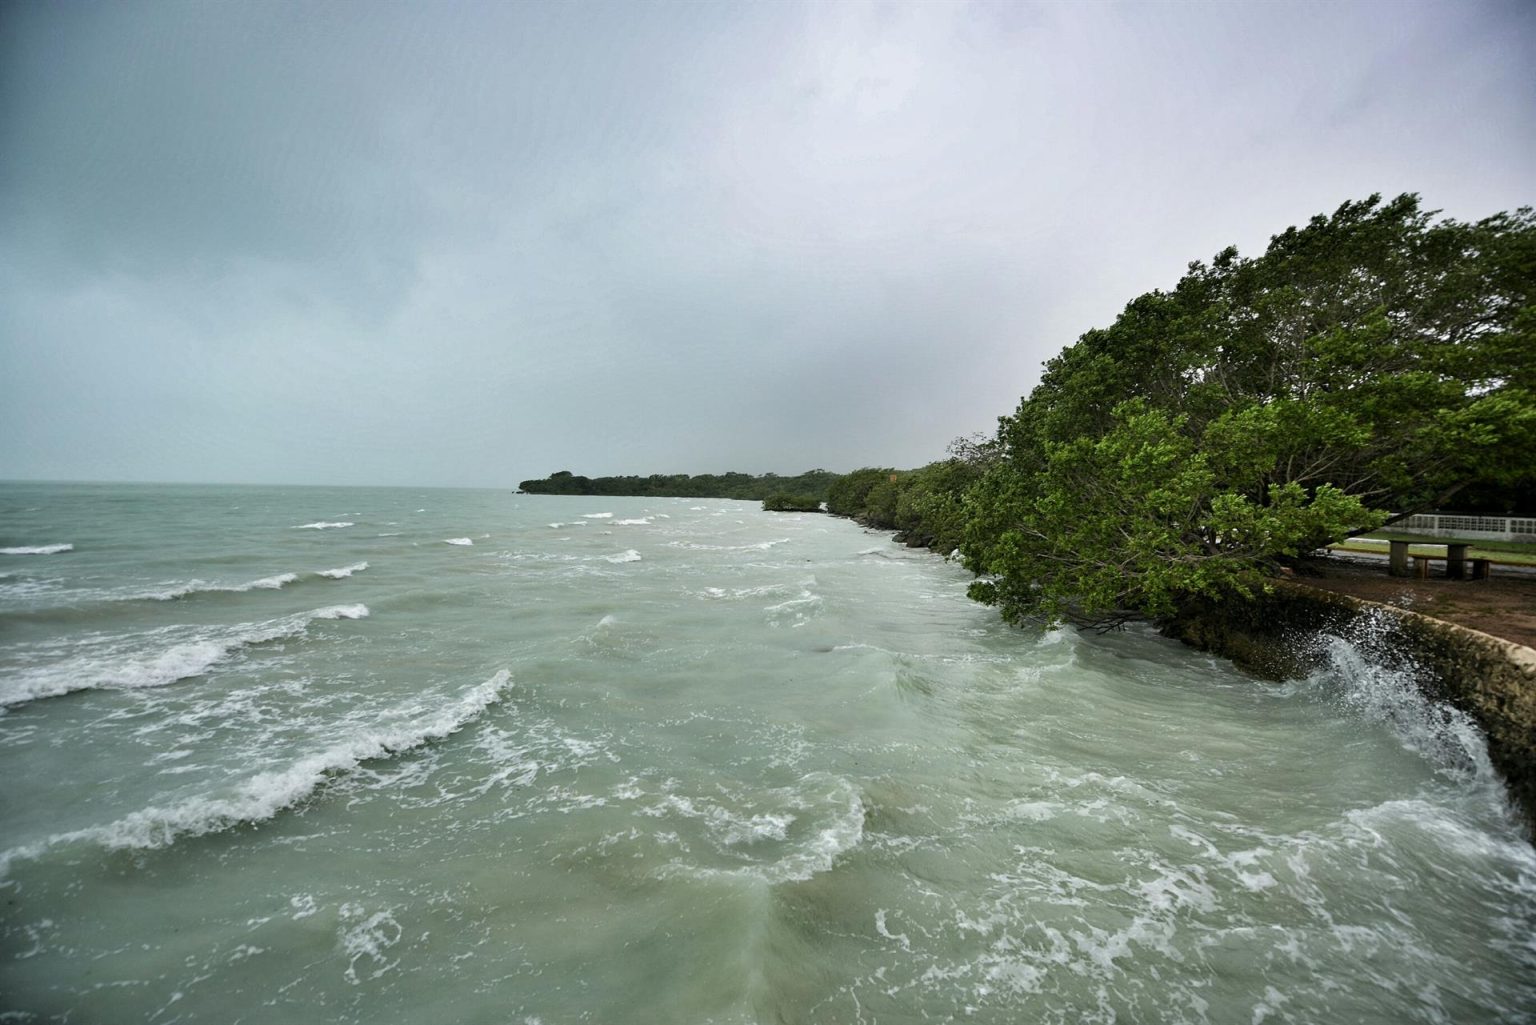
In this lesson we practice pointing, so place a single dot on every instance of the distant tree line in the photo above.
(812, 483)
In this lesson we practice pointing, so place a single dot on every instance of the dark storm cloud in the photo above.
(476, 242)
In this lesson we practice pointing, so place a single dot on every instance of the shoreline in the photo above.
(1488, 674)
(1490, 679)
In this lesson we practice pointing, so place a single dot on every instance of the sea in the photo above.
(411, 755)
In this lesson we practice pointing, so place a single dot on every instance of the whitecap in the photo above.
(628, 556)
(597, 516)
(761, 546)
(457, 541)
(324, 525)
(642, 522)
(809, 855)
(343, 572)
(796, 611)
(357, 611)
(111, 670)
(263, 795)
(271, 583)
(37, 549)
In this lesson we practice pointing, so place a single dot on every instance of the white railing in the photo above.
(1499, 528)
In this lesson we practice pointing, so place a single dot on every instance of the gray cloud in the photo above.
(477, 242)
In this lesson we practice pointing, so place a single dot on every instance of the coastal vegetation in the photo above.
(781, 502)
(812, 483)
(1374, 363)
(1376, 359)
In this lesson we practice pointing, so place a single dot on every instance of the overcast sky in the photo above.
(467, 243)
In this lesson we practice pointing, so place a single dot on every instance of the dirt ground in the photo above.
(1504, 605)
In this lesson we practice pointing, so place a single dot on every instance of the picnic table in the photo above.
(1455, 561)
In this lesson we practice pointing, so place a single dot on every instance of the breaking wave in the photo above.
(263, 795)
(343, 572)
(324, 525)
(768, 846)
(1363, 668)
(37, 549)
(117, 666)
(760, 546)
(271, 583)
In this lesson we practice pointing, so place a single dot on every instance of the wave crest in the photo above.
(111, 671)
(37, 549)
(263, 795)
(271, 583)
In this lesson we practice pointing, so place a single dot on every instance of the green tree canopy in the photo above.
(1376, 359)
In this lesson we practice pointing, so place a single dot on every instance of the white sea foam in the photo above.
(29, 589)
(629, 556)
(261, 796)
(645, 521)
(597, 516)
(796, 611)
(819, 795)
(37, 549)
(1365, 670)
(761, 546)
(368, 938)
(271, 583)
(324, 525)
(457, 541)
(117, 664)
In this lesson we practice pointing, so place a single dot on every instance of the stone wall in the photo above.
(1491, 680)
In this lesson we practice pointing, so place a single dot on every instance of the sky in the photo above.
(464, 244)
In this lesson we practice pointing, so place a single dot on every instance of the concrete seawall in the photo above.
(1490, 679)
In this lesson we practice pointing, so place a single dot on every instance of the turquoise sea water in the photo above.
(374, 755)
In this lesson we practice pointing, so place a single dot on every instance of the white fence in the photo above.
(1493, 528)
